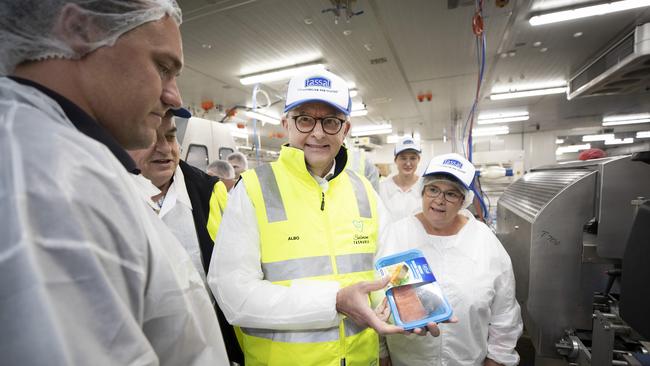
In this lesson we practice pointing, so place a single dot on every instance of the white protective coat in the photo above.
(401, 203)
(88, 274)
(476, 276)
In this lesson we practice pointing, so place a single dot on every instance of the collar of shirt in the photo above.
(177, 192)
(324, 182)
(85, 124)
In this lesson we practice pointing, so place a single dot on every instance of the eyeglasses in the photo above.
(330, 125)
(450, 196)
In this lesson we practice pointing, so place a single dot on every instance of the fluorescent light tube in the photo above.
(603, 137)
(354, 93)
(528, 93)
(559, 141)
(587, 11)
(371, 130)
(571, 148)
(490, 131)
(359, 113)
(626, 119)
(263, 117)
(627, 140)
(643, 134)
(279, 74)
(484, 119)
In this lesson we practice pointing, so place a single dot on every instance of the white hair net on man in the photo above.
(467, 193)
(33, 29)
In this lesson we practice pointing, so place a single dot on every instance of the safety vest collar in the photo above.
(294, 159)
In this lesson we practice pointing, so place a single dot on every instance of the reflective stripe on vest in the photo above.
(306, 336)
(360, 193)
(271, 192)
(273, 200)
(316, 266)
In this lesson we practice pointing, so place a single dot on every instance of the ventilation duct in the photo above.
(623, 68)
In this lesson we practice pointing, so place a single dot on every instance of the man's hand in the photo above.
(491, 362)
(353, 302)
(383, 313)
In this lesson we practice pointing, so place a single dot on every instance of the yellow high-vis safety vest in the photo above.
(306, 233)
(218, 201)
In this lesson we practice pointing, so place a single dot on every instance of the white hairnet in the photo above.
(31, 29)
(468, 193)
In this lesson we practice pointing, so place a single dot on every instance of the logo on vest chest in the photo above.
(358, 239)
(293, 238)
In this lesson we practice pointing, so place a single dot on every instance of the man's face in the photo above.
(160, 160)
(320, 148)
(239, 168)
(407, 162)
(129, 86)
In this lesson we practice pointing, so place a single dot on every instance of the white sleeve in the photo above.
(245, 297)
(505, 324)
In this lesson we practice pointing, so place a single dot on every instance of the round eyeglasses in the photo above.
(330, 125)
(450, 196)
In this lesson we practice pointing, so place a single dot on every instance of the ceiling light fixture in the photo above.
(503, 117)
(359, 113)
(528, 93)
(643, 134)
(491, 131)
(371, 130)
(587, 11)
(353, 93)
(627, 140)
(571, 148)
(263, 117)
(280, 74)
(559, 141)
(626, 119)
(603, 137)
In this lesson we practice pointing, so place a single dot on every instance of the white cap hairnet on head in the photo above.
(32, 29)
(448, 178)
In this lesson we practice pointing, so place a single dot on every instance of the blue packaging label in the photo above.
(411, 271)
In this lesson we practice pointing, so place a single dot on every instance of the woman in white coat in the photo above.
(472, 267)
(401, 192)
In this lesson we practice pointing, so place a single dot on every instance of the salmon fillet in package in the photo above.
(414, 296)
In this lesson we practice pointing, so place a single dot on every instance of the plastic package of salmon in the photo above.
(414, 296)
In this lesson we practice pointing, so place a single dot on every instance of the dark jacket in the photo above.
(199, 187)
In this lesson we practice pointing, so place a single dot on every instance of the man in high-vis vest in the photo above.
(293, 261)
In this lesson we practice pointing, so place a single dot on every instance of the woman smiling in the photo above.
(472, 268)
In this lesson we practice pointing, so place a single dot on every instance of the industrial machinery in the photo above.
(566, 229)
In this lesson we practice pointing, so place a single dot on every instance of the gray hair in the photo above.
(221, 169)
(31, 30)
(239, 158)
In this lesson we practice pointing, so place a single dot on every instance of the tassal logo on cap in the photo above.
(318, 81)
(453, 162)
(408, 142)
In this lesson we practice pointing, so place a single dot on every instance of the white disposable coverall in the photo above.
(236, 276)
(88, 274)
(401, 203)
(476, 276)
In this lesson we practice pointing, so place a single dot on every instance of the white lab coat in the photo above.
(236, 276)
(176, 212)
(401, 203)
(476, 276)
(88, 274)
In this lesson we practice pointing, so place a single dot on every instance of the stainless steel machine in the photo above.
(565, 227)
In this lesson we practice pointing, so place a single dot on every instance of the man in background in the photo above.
(183, 202)
(238, 162)
(88, 274)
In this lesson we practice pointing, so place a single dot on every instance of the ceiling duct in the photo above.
(623, 68)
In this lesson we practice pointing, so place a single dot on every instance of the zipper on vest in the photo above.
(322, 201)
(343, 362)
